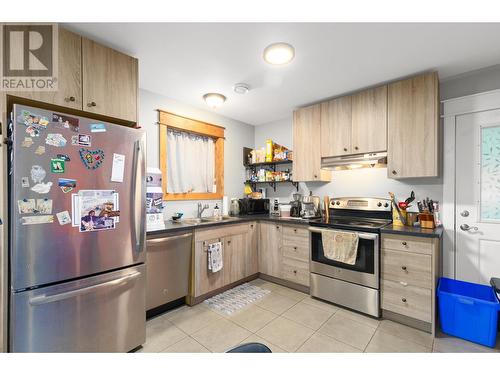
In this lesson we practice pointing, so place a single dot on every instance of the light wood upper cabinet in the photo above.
(270, 249)
(413, 127)
(109, 81)
(306, 145)
(369, 120)
(69, 92)
(336, 127)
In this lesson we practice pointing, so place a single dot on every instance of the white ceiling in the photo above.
(186, 60)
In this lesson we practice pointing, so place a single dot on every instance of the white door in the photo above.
(477, 216)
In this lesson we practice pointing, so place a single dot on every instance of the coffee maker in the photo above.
(296, 206)
(310, 207)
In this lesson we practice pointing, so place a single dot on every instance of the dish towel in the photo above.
(215, 256)
(340, 246)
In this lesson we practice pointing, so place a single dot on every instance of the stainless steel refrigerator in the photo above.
(76, 234)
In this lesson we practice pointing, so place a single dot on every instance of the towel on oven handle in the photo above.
(340, 246)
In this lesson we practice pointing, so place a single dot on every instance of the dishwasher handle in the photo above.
(169, 238)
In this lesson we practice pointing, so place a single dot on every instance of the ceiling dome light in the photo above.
(279, 53)
(214, 99)
(241, 88)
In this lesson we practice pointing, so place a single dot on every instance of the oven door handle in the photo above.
(362, 235)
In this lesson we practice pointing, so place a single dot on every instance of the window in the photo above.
(490, 174)
(191, 158)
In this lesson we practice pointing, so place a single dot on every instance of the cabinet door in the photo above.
(270, 250)
(336, 127)
(369, 121)
(251, 250)
(206, 280)
(413, 127)
(109, 81)
(234, 258)
(69, 92)
(306, 145)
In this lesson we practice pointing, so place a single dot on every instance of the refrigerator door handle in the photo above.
(139, 202)
(43, 299)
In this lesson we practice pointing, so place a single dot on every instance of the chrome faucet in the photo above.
(201, 208)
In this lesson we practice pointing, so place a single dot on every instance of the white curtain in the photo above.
(190, 163)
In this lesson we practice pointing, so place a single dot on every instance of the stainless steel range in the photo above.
(355, 286)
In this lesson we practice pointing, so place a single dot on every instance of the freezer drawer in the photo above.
(168, 259)
(104, 313)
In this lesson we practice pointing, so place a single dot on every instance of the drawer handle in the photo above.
(277, 227)
(295, 247)
(404, 243)
(403, 268)
(295, 230)
(229, 242)
(92, 104)
(345, 148)
(251, 225)
(295, 271)
(403, 300)
(71, 99)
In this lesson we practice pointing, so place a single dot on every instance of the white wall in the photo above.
(360, 182)
(238, 135)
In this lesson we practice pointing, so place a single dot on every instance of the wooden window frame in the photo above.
(168, 121)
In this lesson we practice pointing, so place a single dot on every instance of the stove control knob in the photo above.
(338, 203)
(386, 205)
(379, 204)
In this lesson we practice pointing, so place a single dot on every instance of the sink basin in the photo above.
(212, 219)
(192, 221)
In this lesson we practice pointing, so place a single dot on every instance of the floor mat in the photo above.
(236, 299)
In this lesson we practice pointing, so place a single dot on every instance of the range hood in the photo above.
(374, 159)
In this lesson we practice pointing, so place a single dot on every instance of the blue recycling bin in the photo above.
(468, 311)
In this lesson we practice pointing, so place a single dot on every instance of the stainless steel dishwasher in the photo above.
(168, 263)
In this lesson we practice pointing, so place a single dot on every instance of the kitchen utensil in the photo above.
(177, 216)
(411, 218)
(396, 206)
(410, 199)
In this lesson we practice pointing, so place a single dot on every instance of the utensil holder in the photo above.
(426, 220)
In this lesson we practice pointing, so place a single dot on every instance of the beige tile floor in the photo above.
(289, 321)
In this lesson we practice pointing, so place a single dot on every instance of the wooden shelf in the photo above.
(271, 163)
(273, 183)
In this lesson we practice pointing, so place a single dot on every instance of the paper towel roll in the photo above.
(225, 206)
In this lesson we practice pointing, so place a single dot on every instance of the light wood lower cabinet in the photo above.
(284, 252)
(270, 249)
(409, 273)
(240, 256)
(273, 249)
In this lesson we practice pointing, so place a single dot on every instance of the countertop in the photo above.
(413, 231)
(171, 227)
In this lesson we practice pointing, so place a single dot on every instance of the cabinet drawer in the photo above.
(410, 244)
(411, 268)
(296, 252)
(296, 271)
(408, 300)
(293, 236)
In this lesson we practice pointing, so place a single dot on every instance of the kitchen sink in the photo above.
(211, 219)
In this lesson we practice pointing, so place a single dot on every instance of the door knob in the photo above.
(464, 213)
(467, 228)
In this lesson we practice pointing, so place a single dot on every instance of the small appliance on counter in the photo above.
(275, 207)
(311, 207)
(296, 205)
(249, 206)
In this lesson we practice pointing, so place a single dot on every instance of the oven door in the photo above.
(364, 272)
